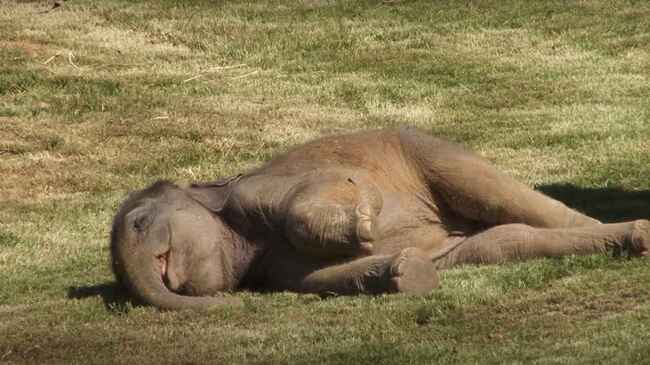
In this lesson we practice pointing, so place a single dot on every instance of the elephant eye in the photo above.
(141, 222)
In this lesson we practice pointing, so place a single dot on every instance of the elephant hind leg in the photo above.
(516, 242)
(473, 188)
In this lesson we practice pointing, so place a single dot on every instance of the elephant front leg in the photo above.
(333, 216)
(516, 242)
(410, 271)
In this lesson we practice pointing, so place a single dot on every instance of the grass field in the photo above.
(101, 97)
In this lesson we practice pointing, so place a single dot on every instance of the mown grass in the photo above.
(101, 97)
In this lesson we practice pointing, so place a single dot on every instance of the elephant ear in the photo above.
(214, 194)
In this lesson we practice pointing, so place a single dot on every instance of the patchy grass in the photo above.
(101, 97)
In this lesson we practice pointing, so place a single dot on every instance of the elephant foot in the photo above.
(640, 238)
(413, 273)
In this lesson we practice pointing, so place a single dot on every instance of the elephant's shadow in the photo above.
(115, 297)
(605, 204)
(608, 205)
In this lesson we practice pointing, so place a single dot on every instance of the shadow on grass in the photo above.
(116, 299)
(605, 204)
(377, 352)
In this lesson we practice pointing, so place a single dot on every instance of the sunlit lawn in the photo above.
(98, 98)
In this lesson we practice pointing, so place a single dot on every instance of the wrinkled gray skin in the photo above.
(372, 212)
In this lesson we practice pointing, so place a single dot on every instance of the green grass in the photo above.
(101, 97)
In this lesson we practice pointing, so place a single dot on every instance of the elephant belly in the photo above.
(408, 221)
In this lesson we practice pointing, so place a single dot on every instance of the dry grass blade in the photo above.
(212, 70)
(71, 62)
(245, 75)
(52, 58)
(193, 78)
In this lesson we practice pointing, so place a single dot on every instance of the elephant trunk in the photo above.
(145, 281)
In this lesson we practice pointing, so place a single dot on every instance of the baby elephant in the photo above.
(366, 213)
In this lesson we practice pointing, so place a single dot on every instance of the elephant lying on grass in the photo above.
(371, 212)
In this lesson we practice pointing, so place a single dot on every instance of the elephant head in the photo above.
(171, 249)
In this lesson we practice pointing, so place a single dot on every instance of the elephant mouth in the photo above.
(163, 261)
